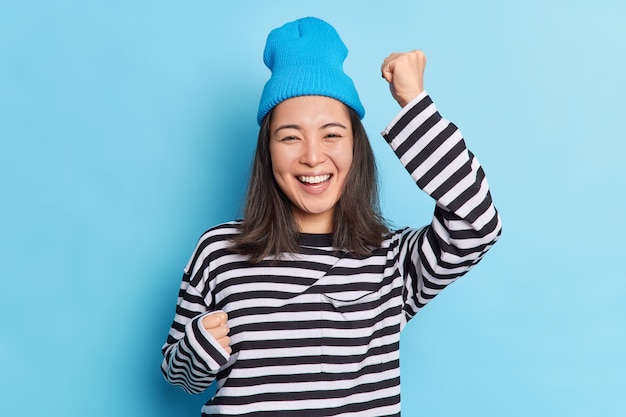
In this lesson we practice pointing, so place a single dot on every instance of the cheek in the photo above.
(348, 161)
(280, 170)
(344, 159)
(275, 161)
(278, 177)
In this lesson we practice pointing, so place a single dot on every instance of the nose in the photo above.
(312, 153)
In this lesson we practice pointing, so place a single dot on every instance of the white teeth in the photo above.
(314, 179)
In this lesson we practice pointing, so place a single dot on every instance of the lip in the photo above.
(316, 188)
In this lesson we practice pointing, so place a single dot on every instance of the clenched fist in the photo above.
(405, 74)
(217, 326)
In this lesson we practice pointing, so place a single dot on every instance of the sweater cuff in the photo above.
(205, 346)
(403, 112)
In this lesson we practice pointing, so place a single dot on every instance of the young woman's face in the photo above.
(311, 145)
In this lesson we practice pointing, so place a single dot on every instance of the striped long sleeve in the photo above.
(317, 333)
(191, 356)
(465, 224)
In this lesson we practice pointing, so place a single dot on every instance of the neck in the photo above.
(318, 224)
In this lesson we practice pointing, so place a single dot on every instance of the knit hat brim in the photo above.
(318, 81)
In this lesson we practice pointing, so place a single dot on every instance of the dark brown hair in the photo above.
(269, 227)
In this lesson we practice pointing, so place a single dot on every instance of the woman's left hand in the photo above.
(405, 74)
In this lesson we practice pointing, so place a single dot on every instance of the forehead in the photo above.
(310, 111)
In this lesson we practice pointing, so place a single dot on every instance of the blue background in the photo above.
(127, 129)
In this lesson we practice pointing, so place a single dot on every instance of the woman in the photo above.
(297, 309)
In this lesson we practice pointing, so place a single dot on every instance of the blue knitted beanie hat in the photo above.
(306, 59)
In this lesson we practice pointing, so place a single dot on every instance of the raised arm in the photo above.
(465, 224)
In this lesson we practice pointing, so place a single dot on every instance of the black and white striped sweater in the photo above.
(317, 333)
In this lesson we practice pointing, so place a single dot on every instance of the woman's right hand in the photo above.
(217, 326)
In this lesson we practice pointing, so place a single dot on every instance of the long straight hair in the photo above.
(269, 227)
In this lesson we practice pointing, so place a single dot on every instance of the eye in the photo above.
(333, 135)
(288, 139)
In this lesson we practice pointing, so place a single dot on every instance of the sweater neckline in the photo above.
(316, 239)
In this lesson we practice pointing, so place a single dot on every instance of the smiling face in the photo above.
(311, 146)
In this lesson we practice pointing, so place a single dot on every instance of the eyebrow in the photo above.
(298, 127)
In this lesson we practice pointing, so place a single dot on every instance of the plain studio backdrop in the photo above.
(127, 128)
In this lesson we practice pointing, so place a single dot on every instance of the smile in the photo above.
(317, 179)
